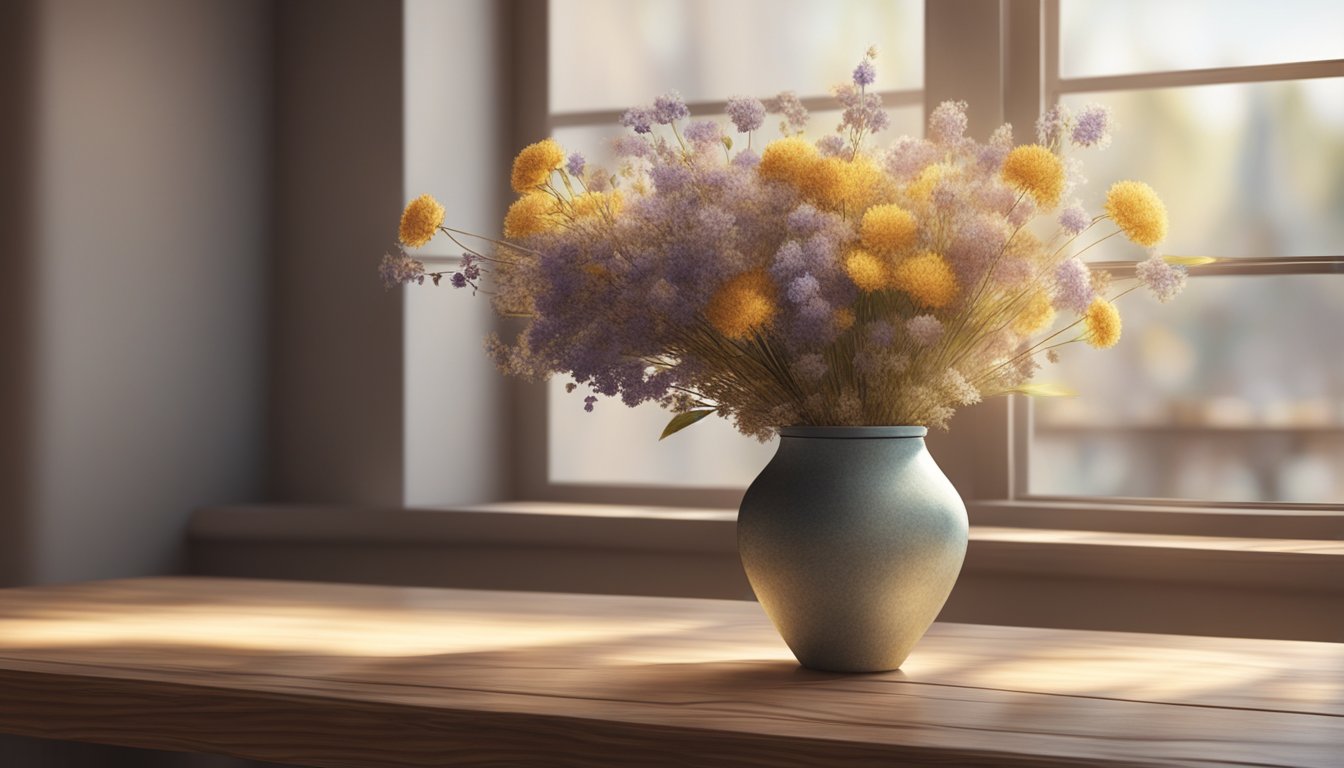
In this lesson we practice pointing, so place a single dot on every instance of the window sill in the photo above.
(1237, 586)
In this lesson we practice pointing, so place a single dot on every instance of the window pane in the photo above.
(616, 445)
(613, 54)
(1244, 169)
(1234, 391)
(1105, 37)
(594, 141)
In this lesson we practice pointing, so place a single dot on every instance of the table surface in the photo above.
(343, 676)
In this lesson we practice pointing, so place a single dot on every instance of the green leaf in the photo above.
(684, 420)
(1189, 261)
(1044, 389)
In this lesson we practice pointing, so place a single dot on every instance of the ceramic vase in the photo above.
(852, 539)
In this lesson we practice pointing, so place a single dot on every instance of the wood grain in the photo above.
(357, 676)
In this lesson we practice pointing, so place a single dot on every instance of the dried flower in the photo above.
(575, 164)
(924, 330)
(826, 282)
(1037, 315)
(1036, 170)
(947, 124)
(927, 279)
(1138, 211)
(1164, 280)
(789, 159)
(529, 215)
(421, 219)
(1074, 219)
(534, 165)
(867, 271)
(747, 113)
(399, 269)
(669, 108)
(1073, 286)
(742, 305)
(1103, 324)
(1092, 127)
(888, 229)
(795, 114)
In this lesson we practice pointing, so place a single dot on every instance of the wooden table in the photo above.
(334, 675)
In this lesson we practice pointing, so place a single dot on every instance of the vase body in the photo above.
(852, 538)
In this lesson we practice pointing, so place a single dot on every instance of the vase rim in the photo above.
(854, 433)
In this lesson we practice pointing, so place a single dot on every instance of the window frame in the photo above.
(1006, 62)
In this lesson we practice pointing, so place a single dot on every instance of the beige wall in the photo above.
(134, 367)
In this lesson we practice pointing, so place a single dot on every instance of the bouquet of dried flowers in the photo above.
(809, 283)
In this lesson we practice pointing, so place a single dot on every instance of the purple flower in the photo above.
(631, 146)
(470, 268)
(1164, 280)
(863, 111)
(400, 269)
(806, 219)
(924, 330)
(703, 132)
(788, 104)
(803, 288)
(1092, 128)
(458, 280)
(575, 164)
(881, 333)
(746, 159)
(669, 108)
(975, 243)
(909, 156)
(947, 124)
(865, 73)
(810, 367)
(638, 119)
(1074, 219)
(747, 113)
(831, 145)
(588, 403)
(1073, 286)
(1052, 123)
(669, 178)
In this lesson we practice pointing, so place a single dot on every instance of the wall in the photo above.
(135, 386)
(336, 362)
(134, 247)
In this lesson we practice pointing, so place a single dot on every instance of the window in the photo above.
(1236, 391)
(1198, 119)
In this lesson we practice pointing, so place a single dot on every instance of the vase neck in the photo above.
(853, 433)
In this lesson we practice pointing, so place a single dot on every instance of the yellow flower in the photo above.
(742, 305)
(1038, 171)
(788, 159)
(844, 319)
(1137, 209)
(927, 279)
(593, 203)
(888, 229)
(823, 182)
(421, 219)
(922, 187)
(533, 166)
(863, 183)
(1039, 313)
(1102, 321)
(866, 270)
(530, 214)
